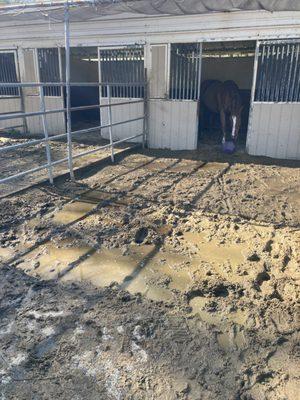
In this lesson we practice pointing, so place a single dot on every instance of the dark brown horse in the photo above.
(224, 98)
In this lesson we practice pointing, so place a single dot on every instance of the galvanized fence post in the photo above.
(145, 119)
(110, 123)
(68, 90)
(45, 129)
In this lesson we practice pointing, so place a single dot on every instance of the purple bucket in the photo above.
(228, 147)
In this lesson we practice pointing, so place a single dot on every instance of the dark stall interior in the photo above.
(224, 61)
(84, 68)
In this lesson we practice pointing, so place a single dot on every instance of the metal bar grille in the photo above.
(184, 71)
(124, 65)
(278, 74)
(8, 73)
(48, 60)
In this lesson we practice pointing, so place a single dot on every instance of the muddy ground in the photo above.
(164, 276)
(26, 158)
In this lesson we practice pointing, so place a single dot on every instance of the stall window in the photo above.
(48, 60)
(278, 73)
(8, 73)
(185, 67)
(122, 65)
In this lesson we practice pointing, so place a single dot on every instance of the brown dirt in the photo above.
(164, 276)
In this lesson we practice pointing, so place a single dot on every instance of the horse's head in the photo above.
(236, 118)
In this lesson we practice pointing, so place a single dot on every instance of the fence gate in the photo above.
(274, 124)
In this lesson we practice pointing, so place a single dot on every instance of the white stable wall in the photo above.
(173, 124)
(8, 106)
(28, 72)
(275, 130)
(123, 113)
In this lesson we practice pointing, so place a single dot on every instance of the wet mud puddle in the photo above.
(158, 274)
(141, 270)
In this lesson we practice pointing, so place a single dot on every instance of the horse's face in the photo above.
(236, 123)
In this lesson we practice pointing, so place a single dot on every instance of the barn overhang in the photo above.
(82, 10)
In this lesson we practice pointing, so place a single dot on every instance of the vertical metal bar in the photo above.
(295, 73)
(21, 91)
(195, 74)
(172, 74)
(45, 129)
(287, 72)
(261, 77)
(145, 120)
(99, 87)
(271, 73)
(282, 76)
(255, 67)
(297, 86)
(184, 73)
(187, 74)
(199, 68)
(291, 65)
(68, 90)
(192, 75)
(267, 75)
(176, 94)
(43, 117)
(60, 75)
(275, 81)
(110, 122)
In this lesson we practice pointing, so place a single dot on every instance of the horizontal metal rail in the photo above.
(4, 117)
(29, 143)
(106, 146)
(38, 84)
(95, 128)
(46, 166)
(62, 135)
(5, 128)
(280, 41)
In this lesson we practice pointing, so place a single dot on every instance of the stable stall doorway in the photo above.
(225, 61)
(84, 68)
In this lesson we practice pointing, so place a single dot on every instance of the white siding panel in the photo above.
(158, 75)
(123, 113)
(275, 130)
(8, 106)
(56, 122)
(173, 124)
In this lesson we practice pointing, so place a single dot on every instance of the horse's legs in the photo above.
(233, 131)
(223, 124)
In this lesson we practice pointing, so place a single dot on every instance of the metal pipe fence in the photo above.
(108, 87)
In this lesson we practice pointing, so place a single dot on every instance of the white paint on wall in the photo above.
(123, 113)
(275, 130)
(55, 122)
(173, 124)
(9, 106)
(159, 71)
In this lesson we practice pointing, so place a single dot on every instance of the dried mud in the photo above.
(164, 276)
